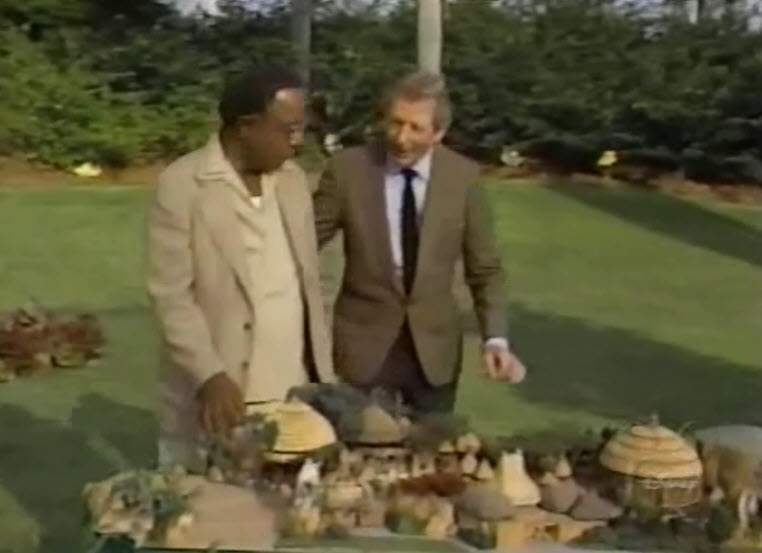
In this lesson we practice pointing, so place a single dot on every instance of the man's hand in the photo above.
(501, 364)
(221, 404)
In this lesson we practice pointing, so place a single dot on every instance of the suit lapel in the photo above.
(434, 213)
(374, 201)
(220, 219)
(291, 215)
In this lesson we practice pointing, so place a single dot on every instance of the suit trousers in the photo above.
(402, 372)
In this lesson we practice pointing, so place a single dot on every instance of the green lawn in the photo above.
(622, 303)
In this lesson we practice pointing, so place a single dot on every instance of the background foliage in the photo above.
(130, 81)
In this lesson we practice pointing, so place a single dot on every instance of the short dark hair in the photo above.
(252, 91)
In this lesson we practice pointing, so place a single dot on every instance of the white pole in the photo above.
(301, 35)
(430, 35)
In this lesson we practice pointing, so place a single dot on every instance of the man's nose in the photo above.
(402, 136)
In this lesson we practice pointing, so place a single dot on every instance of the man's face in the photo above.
(410, 130)
(272, 138)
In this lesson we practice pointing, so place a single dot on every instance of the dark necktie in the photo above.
(409, 225)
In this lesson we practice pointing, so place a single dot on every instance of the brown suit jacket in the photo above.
(199, 283)
(372, 306)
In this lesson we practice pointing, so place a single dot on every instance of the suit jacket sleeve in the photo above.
(482, 266)
(170, 280)
(327, 205)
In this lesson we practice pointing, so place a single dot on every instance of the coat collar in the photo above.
(214, 165)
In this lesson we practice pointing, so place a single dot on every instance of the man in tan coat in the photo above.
(232, 267)
(409, 208)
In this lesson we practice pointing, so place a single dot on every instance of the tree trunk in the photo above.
(430, 35)
(733, 9)
(301, 34)
(700, 9)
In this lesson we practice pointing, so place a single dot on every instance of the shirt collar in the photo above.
(422, 167)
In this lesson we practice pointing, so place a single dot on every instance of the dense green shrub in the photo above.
(563, 80)
(659, 159)
(709, 168)
(567, 153)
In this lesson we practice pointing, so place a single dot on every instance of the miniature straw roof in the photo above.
(265, 408)
(379, 427)
(301, 429)
(485, 471)
(651, 451)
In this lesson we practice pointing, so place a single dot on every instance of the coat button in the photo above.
(247, 326)
(245, 365)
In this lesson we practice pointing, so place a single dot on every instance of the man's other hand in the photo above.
(501, 364)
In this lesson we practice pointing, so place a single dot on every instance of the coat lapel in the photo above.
(434, 213)
(291, 214)
(375, 205)
(220, 219)
(215, 175)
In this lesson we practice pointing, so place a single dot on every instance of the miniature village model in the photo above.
(331, 462)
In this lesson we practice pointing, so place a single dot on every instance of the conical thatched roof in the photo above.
(651, 451)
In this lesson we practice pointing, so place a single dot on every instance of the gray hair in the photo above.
(422, 85)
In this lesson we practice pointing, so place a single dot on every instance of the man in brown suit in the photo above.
(232, 267)
(409, 208)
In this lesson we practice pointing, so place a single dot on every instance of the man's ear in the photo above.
(439, 136)
(249, 121)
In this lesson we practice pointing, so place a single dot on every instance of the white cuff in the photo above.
(497, 342)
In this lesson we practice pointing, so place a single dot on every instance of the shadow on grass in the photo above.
(130, 430)
(44, 464)
(681, 219)
(618, 374)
